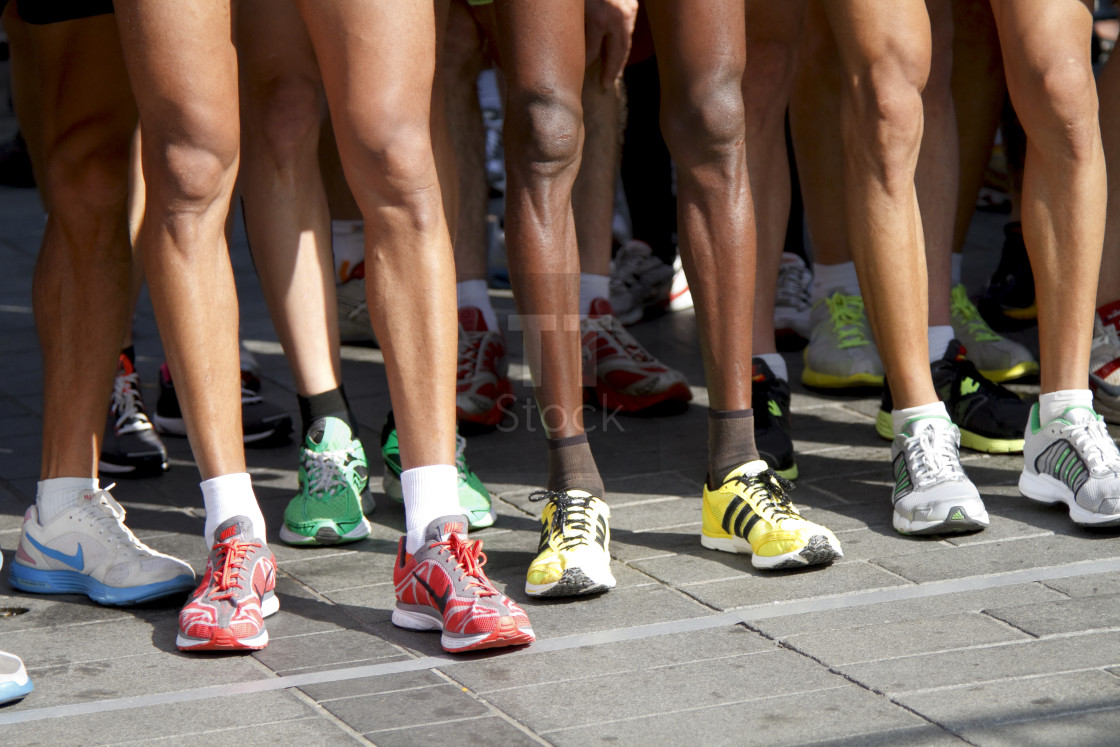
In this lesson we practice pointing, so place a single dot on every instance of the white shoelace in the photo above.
(108, 515)
(1095, 445)
(932, 456)
(128, 405)
(794, 286)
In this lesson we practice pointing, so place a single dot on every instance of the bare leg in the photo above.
(593, 193)
(1108, 84)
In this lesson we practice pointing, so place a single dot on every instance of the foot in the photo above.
(990, 417)
(841, 353)
(482, 377)
(474, 498)
(680, 297)
(443, 587)
(997, 358)
(638, 280)
(14, 682)
(227, 610)
(625, 376)
(1073, 460)
(770, 397)
(89, 550)
(793, 302)
(751, 513)
(131, 445)
(1104, 370)
(332, 501)
(1008, 302)
(932, 494)
(573, 557)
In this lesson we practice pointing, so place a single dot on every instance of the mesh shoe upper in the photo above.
(573, 556)
(333, 475)
(1104, 370)
(1077, 451)
(638, 280)
(770, 398)
(130, 443)
(931, 491)
(997, 358)
(841, 352)
(793, 300)
(482, 376)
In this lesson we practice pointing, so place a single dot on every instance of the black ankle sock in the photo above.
(571, 466)
(730, 442)
(130, 353)
(330, 404)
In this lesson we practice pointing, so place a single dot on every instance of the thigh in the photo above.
(541, 45)
(882, 44)
(273, 46)
(699, 45)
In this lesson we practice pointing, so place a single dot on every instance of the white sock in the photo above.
(829, 278)
(475, 293)
(1053, 404)
(54, 496)
(590, 288)
(348, 241)
(939, 339)
(430, 493)
(955, 270)
(228, 496)
(899, 418)
(777, 364)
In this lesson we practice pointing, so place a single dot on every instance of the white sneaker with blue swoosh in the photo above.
(88, 550)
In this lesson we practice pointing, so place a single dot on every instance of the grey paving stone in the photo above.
(592, 661)
(655, 691)
(969, 665)
(415, 707)
(779, 719)
(1086, 586)
(342, 567)
(905, 638)
(311, 730)
(485, 731)
(1096, 728)
(867, 544)
(387, 683)
(634, 546)
(1063, 616)
(339, 648)
(620, 608)
(912, 736)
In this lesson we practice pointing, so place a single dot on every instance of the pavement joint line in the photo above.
(1011, 678)
(640, 632)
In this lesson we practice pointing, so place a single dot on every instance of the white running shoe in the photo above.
(14, 682)
(88, 550)
(932, 494)
(1104, 370)
(1073, 460)
(793, 302)
(638, 280)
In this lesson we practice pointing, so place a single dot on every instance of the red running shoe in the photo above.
(226, 612)
(482, 377)
(443, 587)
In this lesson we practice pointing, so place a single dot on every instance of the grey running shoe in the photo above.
(1104, 370)
(638, 280)
(998, 358)
(1073, 460)
(841, 352)
(131, 445)
(932, 494)
(354, 325)
(793, 302)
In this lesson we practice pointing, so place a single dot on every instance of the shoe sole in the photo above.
(506, 634)
(1050, 490)
(148, 467)
(957, 519)
(327, 533)
(885, 428)
(225, 640)
(575, 582)
(820, 549)
(820, 380)
(38, 581)
(1000, 375)
(13, 691)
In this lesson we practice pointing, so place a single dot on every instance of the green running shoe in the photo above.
(332, 501)
(474, 498)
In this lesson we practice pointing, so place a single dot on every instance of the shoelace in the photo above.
(324, 470)
(961, 306)
(770, 493)
(933, 457)
(461, 458)
(231, 557)
(631, 264)
(847, 314)
(469, 560)
(128, 404)
(793, 286)
(609, 327)
(1092, 441)
(571, 512)
(109, 518)
(469, 345)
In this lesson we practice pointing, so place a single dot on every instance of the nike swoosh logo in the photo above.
(76, 561)
(441, 599)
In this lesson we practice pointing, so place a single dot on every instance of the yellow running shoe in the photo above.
(750, 513)
(572, 559)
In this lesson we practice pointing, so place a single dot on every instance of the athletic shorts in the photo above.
(41, 12)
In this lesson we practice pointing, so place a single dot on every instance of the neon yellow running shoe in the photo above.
(573, 557)
(998, 358)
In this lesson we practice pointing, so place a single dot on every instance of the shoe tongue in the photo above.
(472, 319)
(748, 469)
(914, 426)
(237, 528)
(124, 366)
(600, 307)
(328, 430)
(445, 526)
(1078, 415)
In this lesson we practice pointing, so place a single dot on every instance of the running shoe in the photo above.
(680, 297)
(227, 610)
(770, 399)
(1008, 302)
(990, 416)
(261, 421)
(750, 512)
(443, 587)
(793, 302)
(573, 558)
(1073, 460)
(482, 385)
(841, 353)
(89, 550)
(332, 501)
(354, 325)
(131, 445)
(14, 682)
(623, 374)
(638, 280)
(932, 494)
(998, 358)
(474, 498)
(1104, 370)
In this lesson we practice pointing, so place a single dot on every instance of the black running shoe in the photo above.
(1008, 302)
(770, 400)
(991, 418)
(262, 422)
(131, 446)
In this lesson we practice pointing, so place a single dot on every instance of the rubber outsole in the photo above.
(957, 519)
(818, 550)
(1000, 375)
(1050, 490)
(507, 633)
(37, 581)
(819, 380)
(327, 533)
(225, 640)
(573, 583)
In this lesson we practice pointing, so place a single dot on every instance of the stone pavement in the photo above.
(1009, 636)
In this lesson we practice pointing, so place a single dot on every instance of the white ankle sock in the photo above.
(475, 293)
(939, 339)
(590, 288)
(777, 364)
(829, 278)
(1052, 404)
(348, 241)
(54, 496)
(955, 270)
(430, 492)
(899, 418)
(228, 496)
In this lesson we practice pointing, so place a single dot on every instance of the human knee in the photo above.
(705, 121)
(888, 111)
(543, 131)
(767, 83)
(1061, 105)
(395, 167)
(190, 165)
(288, 114)
(87, 180)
